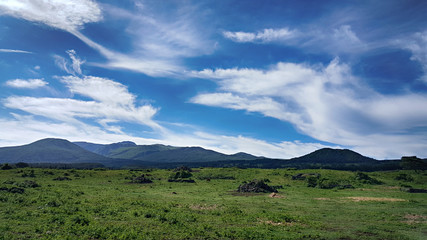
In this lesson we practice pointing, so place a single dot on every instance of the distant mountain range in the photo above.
(129, 154)
(160, 153)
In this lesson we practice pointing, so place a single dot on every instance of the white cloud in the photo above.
(27, 129)
(267, 35)
(13, 51)
(100, 89)
(76, 62)
(112, 102)
(327, 103)
(70, 16)
(344, 34)
(326, 39)
(65, 15)
(417, 44)
(26, 83)
(73, 67)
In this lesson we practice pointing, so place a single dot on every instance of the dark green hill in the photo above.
(49, 150)
(104, 149)
(160, 153)
(334, 156)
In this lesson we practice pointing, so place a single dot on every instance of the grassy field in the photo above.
(104, 204)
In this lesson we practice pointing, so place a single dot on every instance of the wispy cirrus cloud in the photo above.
(71, 17)
(417, 45)
(264, 36)
(158, 42)
(341, 39)
(327, 103)
(72, 67)
(2, 50)
(26, 83)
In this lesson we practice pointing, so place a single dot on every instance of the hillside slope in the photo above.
(333, 156)
(161, 153)
(50, 150)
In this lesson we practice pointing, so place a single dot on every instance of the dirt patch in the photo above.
(204, 207)
(322, 199)
(392, 187)
(275, 195)
(414, 218)
(245, 194)
(273, 223)
(375, 199)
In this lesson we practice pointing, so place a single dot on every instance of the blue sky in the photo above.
(272, 78)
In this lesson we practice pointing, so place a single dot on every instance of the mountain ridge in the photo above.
(129, 155)
(49, 150)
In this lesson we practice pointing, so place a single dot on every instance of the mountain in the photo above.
(104, 149)
(129, 155)
(50, 150)
(161, 153)
(333, 156)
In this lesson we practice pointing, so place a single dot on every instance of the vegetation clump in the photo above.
(366, 179)
(183, 168)
(181, 176)
(256, 186)
(28, 184)
(12, 190)
(6, 167)
(304, 176)
(142, 179)
(404, 177)
(62, 179)
(28, 174)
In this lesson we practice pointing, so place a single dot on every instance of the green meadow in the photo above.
(40, 203)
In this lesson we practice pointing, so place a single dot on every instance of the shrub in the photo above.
(141, 179)
(29, 184)
(181, 176)
(303, 176)
(6, 167)
(28, 174)
(62, 179)
(404, 177)
(12, 190)
(80, 220)
(183, 168)
(366, 179)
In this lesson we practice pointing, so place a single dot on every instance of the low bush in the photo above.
(142, 179)
(404, 177)
(366, 179)
(62, 179)
(28, 184)
(6, 167)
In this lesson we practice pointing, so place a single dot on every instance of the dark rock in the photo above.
(256, 186)
(142, 179)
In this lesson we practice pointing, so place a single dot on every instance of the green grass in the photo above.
(105, 205)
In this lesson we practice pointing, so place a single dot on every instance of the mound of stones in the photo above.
(256, 186)
(142, 179)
